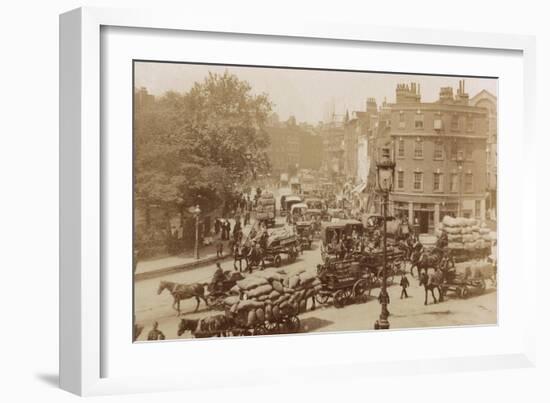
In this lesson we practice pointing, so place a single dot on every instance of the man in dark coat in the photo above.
(404, 283)
(155, 334)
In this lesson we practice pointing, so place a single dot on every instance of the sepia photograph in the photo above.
(277, 200)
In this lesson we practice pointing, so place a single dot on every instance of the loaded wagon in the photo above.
(373, 260)
(465, 281)
(333, 232)
(304, 231)
(343, 282)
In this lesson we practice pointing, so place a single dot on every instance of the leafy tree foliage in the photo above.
(193, 148)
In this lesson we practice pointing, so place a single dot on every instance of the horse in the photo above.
(430, 282)
(183, 291)
(210, 326)
(240, 253)
(424, 260)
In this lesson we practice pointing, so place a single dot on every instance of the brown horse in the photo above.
(424, 260)
(183, 291)
(210, 326)
(240, 253)
(430, 282)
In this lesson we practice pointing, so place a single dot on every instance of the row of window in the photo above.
(437, 123)
(438, 150)
(418, 182)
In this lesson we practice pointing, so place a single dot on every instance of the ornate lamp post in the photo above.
(385, 169)
(460, 165)
(196, 211)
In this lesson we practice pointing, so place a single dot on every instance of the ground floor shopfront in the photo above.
(427, 211)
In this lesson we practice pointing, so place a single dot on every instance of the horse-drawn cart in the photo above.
(468, 280)
(344, 282)
(374, 262)
(277, 246)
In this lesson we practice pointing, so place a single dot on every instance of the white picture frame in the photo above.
(83, 173)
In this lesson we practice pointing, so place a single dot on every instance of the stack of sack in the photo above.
(483, 270)
(465, 233)
(268, 296)
(265, 208)
(280, 236)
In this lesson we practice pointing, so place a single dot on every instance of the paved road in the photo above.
(405, 313)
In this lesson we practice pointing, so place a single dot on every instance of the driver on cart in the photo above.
(217, 279)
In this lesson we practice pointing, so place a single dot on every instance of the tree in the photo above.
(192, 148)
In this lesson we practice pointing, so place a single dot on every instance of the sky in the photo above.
(308, 95)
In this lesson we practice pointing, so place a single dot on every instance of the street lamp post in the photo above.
(460, 165)
(196, 211)
(385, 169)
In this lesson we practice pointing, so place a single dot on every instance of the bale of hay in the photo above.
(456, 245)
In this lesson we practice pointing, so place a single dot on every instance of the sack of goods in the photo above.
(280, 236)
(465, 233)
(266, 298)
(454, 238)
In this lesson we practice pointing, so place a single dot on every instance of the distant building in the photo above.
(485, 99)
(142, 99)
(293, 146)
(440, 153)
(332, 133)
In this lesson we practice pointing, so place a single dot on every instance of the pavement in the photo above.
(152, 268)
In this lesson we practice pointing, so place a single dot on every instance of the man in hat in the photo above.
(155, 334)
(404, 283)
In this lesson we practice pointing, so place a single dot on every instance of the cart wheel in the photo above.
(464, 292)
(272, 328)
(277, 261)
(359, 290)
(322, 297)
(340, 298)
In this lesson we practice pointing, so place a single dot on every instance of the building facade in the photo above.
(332, 134)
(293, 147)
(485, 99)
(440, 153)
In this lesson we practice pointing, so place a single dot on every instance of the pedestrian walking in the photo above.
(404, 283)
(156, 334)
(219, 249)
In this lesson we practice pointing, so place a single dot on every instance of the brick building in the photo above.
(332, 134)
(440, 153)
(293, 146)
(485, 99)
